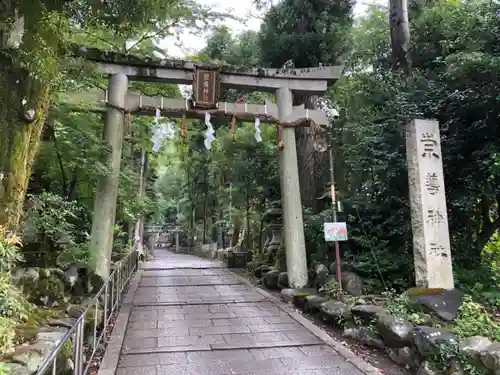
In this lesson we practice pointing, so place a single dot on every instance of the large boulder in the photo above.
(297, 296)
(17, 369)
(320, 275)
(270, 279)
(288, 294)
(474, 345)
(71, 275)
(27, 359)
(490, 357)
(404, 356)
(302, 294)
(261, 270)
(396, 331)
(427, 369)
(368, 313)
(313, 302)
(443, 303)
(47, 288)
(330, 285)
(429, 340)
(335, 311)
(365, 336)
(352, 284)
(283, 280)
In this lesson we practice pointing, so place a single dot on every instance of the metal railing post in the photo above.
(112, 291)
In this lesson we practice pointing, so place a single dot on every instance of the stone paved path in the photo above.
(191, 316)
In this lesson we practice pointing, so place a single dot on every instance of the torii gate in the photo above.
(206, 80)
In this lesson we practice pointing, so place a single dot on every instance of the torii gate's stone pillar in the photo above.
(101, 241)
(429, 219)
(296, 262)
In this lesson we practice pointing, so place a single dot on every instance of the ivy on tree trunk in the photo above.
(19, 135)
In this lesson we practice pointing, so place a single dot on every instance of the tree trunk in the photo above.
(24, 100)
(311, 164)
(400, 35)
(205, 209)
(19, 136)
(247, 215)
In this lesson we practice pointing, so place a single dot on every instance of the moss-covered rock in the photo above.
(45, 290)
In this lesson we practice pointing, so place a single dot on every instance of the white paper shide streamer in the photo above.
(258, 137)
(161, 131)
(209, 134)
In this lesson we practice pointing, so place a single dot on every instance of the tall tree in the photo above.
(400, 35)
(34, 37)
(309, 34)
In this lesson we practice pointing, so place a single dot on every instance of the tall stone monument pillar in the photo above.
(431, 239)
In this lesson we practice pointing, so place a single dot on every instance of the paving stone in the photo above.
(279, 319)
(191, 317)
(143, 325)
(305, 372)
(276, 327)
(214, 368)
(173, 330)
(143, 370)
(175, 341)
(220, 355)
(191, 323)
(168, 281)
(268, 353)
(184, 272)
(219, 330)
(237, 321)
(136, 360)
(317, 350)
(303, 335)
(249, 365)
(316, 362)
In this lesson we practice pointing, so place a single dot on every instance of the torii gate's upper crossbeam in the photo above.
(303, 81)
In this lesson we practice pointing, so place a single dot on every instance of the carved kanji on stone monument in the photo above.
(431, 241)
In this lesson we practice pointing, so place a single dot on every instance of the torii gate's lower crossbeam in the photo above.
(147, 105)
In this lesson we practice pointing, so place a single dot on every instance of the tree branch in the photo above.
(148, 35)
(116, 47)
(59, 159)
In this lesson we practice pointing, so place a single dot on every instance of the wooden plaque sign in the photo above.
(206, 88)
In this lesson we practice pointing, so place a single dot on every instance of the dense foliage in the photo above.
(52, 150)
(214, 195)
(455, 73)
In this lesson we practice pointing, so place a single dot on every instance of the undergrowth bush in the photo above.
(474, 320)
(13, 305)
(53, 230)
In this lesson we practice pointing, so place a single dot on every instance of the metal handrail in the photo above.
(106, 302)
